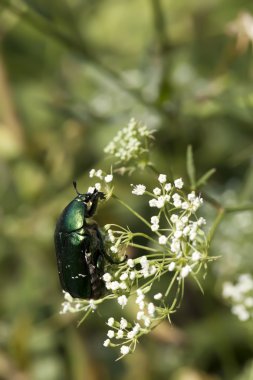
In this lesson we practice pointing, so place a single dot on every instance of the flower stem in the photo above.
(216, 223)
(132, 211)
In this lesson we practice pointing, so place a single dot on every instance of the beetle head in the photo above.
(88, 197)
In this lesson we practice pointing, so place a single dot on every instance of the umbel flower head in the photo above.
(240, 296)
(130, 147)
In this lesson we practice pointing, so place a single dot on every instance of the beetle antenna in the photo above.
(75, 187)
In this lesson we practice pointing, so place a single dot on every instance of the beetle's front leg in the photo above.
(105, 254)
(94, 202)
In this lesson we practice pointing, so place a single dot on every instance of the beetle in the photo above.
(79, 246)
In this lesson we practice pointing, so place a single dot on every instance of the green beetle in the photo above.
(79, 247)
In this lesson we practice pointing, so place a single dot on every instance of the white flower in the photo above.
(140, 298)
(98, 186)
(130, 263)
(144, 262)
(177, 203)
(135, 330)
(167, 187)
(178, 234)
(196, 256)
(241, 312)
(186, 230)
(110, 334)
(139, 190)
(123, 323)
(160, 202)
(140, 315)
(153, 203)
(114, 248)
(152, 270)
(179, 183)
(120, 334)
(106, 343)
(158, 296)
(107, 277)
(162, 178)
(91, 190)
(157, 191)
(174, 218)
(147, 321)
(171, 266)
(175, 245)
(123, 285)
(99, 173)
(110, 321)
(155, 219)
(228, 290)
(184, 219)
(114, 285)
(124, 276)
(108, 178)
(201, 221)
(185, 206)
(124, 350)
(132, 275)
(122, 300)
(163, 239)
(155, 227)
(185, 271)
(92, 173)
(151, 309)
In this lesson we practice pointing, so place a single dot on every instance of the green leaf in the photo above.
(190, 166)
(205, 177)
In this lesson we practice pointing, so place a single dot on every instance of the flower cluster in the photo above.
(240, 295)
(176, 246)
(130, 143)
(126, 333)
(104, 181)
(74, 305)
(178, 229)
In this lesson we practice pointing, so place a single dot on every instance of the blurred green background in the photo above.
(73, 72)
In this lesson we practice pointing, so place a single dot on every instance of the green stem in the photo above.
(145, 236)
(142, 247)
(216, 222)
(132, 211)
(231, 209)
(171, 284)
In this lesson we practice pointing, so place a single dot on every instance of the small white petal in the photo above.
(108, 178)
(130, 263)
(110, 321)
(124, 350)
(179, 183)
(110, 334)
(171, 266)
(163, 240)
(157, 191)
(139, 190)
(162, 178)
(106, 343)
(158, 296)
(185, 271)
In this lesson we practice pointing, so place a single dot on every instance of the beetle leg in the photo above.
(94, 202)
(104, 253)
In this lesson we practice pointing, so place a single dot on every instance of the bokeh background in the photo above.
(72, 73)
